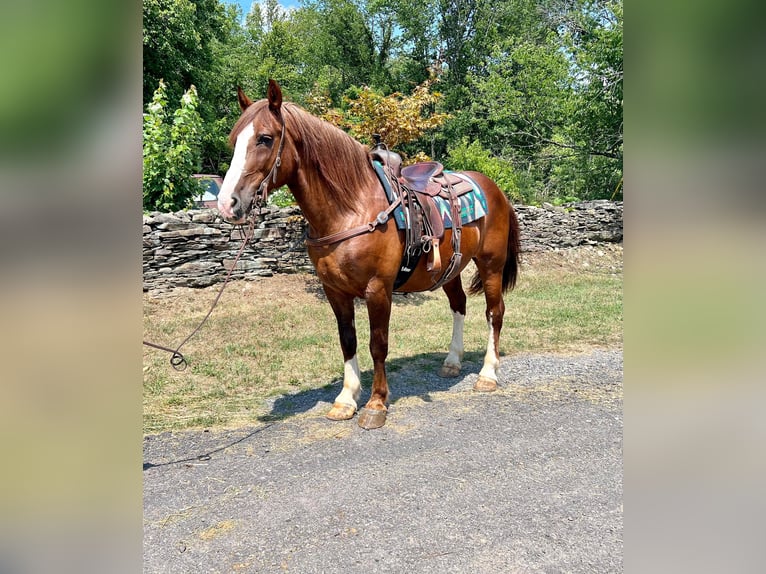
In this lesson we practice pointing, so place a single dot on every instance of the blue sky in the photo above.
(245, 4)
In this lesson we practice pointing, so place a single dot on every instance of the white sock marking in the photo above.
(352, 385)
(455, 355)
(489, 368)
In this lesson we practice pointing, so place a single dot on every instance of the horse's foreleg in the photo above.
(493, 293)
(456, 296)
(345, 404)
(379, 310)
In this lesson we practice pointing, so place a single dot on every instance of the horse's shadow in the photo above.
(407, 377)
(414, 376)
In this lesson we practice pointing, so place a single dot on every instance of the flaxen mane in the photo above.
(320, 144)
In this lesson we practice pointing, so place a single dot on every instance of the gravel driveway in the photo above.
(527, 479)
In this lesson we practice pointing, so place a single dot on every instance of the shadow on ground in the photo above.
(414, 376)
(407, 377)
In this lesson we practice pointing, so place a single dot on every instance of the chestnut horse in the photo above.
(331, 176)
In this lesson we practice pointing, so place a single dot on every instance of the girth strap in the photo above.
(453, 267)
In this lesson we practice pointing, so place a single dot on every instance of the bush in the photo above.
(474, 157)
(281, 197)
(171, 152)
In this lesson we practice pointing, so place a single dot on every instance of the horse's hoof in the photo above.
(449, 371)
(485, 385)
(371, 419)
(341, 412)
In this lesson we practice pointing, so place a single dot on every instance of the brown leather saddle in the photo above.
(418, 185)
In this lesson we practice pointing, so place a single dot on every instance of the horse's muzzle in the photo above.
(234, 211)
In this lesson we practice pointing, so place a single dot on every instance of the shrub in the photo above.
(171, 152)
(472, 156)
(281, 197)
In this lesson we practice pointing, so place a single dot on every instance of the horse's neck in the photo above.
(326, 212)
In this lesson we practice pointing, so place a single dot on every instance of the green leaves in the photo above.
(473, 157)
(178, 36)
(535, 84)
(171, 152)
(549, 98)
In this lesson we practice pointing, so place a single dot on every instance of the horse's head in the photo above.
(258, 139)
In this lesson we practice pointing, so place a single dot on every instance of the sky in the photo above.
(245, 4)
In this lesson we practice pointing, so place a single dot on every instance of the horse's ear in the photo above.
(244, 101)
(274, 95)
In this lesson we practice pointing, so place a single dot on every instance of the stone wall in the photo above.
(197, 248)
(550, 227)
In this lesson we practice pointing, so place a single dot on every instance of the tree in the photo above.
(594, 41)
(472, 156)
(171, 152)
(177, 43)
(520, 106)
(548, 98)
(469, 30)
(399, 119)
(185, 43)
(532, 89)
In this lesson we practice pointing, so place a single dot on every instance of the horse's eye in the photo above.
(264, 139)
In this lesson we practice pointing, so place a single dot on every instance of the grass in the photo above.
(278, 335)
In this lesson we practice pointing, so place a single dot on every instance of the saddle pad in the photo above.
(473, 205)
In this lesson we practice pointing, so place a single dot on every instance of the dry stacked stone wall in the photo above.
(585, 223)
(196, 248)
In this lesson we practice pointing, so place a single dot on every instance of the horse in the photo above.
(331, 176)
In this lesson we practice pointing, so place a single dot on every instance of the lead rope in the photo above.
(177, 360)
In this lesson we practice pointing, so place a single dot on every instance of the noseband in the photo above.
(261, 194)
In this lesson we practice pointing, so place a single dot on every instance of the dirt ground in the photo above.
(526, 479)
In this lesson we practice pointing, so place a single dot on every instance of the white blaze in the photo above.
(235, 171)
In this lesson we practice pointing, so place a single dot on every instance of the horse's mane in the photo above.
(339, 159)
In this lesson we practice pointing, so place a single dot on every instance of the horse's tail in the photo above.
(512, 260)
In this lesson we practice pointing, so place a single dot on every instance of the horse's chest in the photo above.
(341, 274)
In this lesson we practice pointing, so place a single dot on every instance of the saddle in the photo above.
(417, 185)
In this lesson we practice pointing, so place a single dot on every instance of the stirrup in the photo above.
(434, 263)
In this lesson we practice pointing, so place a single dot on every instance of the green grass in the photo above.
(278, 335)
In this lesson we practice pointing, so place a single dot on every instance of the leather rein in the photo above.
(177, 360)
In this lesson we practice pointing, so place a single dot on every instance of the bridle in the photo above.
(261, 194)
(177, 360)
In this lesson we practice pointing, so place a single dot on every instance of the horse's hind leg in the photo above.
(345, 404)
(492, 280)
(456, 296)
